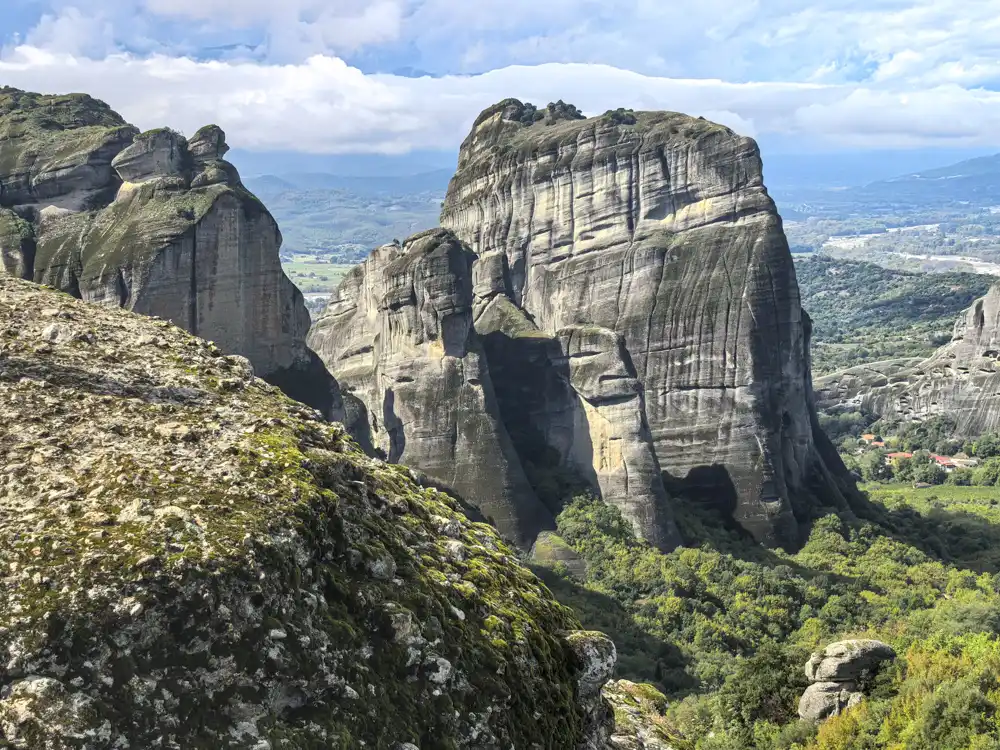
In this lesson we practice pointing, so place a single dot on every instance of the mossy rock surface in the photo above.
(42, 134)
(189, 559)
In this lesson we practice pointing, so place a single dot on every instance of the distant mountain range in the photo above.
(970, 183)
(436, 181)
(346, 216)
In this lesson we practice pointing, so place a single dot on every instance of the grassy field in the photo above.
(310, 276)
(984, 501)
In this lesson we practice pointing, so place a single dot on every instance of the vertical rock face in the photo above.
(154, 223)
(399, 335)
(647, 245)
(960, 380)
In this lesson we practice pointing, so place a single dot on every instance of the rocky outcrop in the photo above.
(634, 306)
(645, 247)
(596, 658)
(188, 559)
(399, 335)
(639, 719)
(961, 380)
(153, 223)
(837, 673)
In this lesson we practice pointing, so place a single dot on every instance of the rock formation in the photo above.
(154, 223)
(960, 380)
(639, 720)
(636, 302)
(837, 673)
(399, 334)
(188, 559)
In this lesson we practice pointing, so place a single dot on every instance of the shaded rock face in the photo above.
(960, 380)
(596, 658)
(154, 223)
(836, 673)
(646, 245)
(639, 720)
(399, 335)
(189, 559)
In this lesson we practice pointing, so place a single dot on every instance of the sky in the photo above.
(393, 76)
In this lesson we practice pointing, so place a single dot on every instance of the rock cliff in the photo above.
(960, 380)
(189, 559)
(642, 256)
(155, 223)
(635, 322)
(399, 335)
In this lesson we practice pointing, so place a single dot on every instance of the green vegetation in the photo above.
(314, 273)
(723, 627)
(862, 312)
(346, 222)
(266, 556)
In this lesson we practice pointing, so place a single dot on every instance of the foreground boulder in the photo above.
(153, 222)
(961, 380)
(190, 559)
(837, 673)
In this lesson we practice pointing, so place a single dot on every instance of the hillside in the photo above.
(191, 559)
(862, 312)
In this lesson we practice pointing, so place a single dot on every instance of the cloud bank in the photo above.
(300, 74)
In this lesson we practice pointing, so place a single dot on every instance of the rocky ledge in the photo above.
(188, 558)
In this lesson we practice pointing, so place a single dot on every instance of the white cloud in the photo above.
(325, 105)
(73, 32)
(297, 28)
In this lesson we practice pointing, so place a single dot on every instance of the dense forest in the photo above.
(723, 626)
(862, 312)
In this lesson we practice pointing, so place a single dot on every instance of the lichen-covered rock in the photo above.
(639, 720)
(596, 657)
(655, 231)
(57, 150)
(821, 700)
(836, 673)
(190, 559)
(155, 224)
(847, 661)
(399, 335)
(960, 380)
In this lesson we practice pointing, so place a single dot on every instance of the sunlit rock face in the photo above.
(648, 245)
(619, 296)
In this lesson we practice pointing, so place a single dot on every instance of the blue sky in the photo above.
(338, 75)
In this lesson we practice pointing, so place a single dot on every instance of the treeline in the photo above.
(724, 627)
(862, 312)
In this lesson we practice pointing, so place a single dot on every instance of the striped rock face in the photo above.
(651, 235)
(628, 288)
